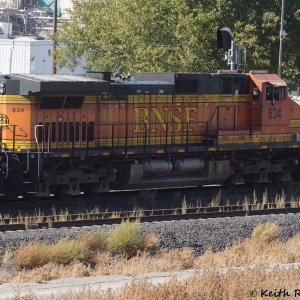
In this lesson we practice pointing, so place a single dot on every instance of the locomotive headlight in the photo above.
(2, 88)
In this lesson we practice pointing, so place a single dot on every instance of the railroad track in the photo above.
(146, 199)
(108, 218)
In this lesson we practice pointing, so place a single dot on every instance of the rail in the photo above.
(107, 218)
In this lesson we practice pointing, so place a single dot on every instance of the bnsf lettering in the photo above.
(177, 118)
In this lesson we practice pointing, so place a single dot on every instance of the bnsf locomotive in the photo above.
(67, 134)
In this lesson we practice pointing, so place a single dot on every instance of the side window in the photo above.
(279, 93)
(269, 92)
(275, 92)
(255, 93)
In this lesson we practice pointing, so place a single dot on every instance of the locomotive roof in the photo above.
(261, 78)
(142, 86)
(32, 83)
(142, 82)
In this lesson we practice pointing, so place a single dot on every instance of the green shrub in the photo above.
(266, 232)
(66, 251)
(127, 239)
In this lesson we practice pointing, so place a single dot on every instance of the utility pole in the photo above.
(282, 34)
(54, 33)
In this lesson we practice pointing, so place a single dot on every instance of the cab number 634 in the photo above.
(274, 113)
(18, 109)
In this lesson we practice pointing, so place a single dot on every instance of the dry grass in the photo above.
(249, 202)
(125, 239)
(255, 251)
(249, 252)
(267, 232)
(32, 255)
(210, 286)
(64, 251)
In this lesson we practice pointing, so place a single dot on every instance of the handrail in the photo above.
(27, 150)
(38, 146)
(6, 164)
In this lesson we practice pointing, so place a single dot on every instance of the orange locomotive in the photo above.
(65, 134)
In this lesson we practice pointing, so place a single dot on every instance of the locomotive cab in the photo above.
(269, 103)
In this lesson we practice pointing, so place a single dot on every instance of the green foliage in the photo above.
(127, 239)
(66, 251)
(176, 35)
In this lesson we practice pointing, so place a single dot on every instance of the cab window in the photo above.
(275, 93)
(279, 92)
(269, 92)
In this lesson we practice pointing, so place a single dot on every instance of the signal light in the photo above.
(224, 38)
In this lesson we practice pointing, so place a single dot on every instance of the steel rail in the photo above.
(78, 220)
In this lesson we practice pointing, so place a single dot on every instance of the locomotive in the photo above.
(66, 135)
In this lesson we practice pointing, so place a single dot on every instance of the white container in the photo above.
(6, 30)
(30, 56)
(25, 55)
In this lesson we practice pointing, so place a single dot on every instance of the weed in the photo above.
(33, 255)
(184, 206)
(216, 200)
(266, 232)
(126, 239)
(66, 251)
(280, 200)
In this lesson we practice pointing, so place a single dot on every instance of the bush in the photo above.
(92, 243)
(33, 255)
(63, 252)
(127, 239)
(266, 232)
(66, 251)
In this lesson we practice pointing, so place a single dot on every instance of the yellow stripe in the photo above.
(136, 99)
(17, 99)
(139, 99)
(241, 139)
(150, 141)
(294, 123)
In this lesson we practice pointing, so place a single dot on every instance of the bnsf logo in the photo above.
(3, 120)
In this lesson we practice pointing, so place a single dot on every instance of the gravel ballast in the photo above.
(215, 234)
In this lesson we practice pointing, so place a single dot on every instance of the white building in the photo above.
(28, 55)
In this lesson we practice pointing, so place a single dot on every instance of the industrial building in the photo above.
(25, 46)
(31, 17)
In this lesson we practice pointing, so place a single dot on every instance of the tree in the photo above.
(138, 35)
(176, 35)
